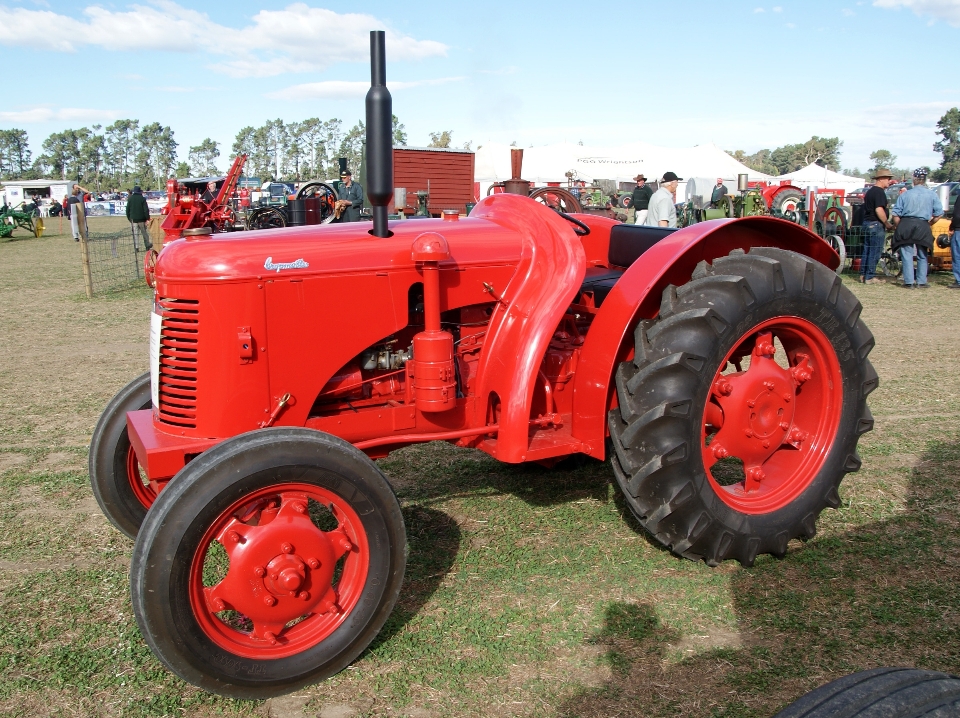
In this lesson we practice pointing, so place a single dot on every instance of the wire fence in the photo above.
(115, 261)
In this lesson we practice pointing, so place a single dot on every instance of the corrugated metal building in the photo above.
(447, 173)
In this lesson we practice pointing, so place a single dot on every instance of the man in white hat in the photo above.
(663, 212)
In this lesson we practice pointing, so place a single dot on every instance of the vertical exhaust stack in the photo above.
(379, 136)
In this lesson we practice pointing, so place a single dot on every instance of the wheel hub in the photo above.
(758, 407)
(280, 570)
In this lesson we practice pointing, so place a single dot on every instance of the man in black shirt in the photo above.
(640, 199)
(210, 194)
(875, 220)
(719, 192)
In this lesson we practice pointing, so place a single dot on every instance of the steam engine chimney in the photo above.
(379, 136)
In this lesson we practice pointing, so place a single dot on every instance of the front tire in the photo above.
(115, 477)
(270, 562)
(718, 460)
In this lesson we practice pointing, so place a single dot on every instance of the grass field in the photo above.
(528, 591)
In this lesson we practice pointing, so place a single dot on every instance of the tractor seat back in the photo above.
(627, 243)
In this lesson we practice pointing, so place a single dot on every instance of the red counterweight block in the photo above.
(432, 370)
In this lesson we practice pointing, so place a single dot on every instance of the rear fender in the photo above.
(549, 274)
(637, 296)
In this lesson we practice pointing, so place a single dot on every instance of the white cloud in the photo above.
(45, 113)
(847, 12)
(947, 10)
(292, 39)
(340, 90)
(777, 8)
(790, 25)
(758, 9)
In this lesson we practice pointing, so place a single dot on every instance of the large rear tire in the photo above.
(881, 693)
(115, 477)
(741, 411)
(271, 561)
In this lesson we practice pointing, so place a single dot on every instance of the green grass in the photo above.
(528, 591)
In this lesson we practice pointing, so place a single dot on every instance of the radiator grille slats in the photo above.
(179, 344)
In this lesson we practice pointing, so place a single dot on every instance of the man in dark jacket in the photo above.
(914, 214)
(719, 192)
(955, 245)
(138, 214)
(351, 198)
(640, 199)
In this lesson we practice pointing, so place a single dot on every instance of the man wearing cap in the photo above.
(640, 199)
(663, 212)
(875, 220)
(914, 213)
(351, 198)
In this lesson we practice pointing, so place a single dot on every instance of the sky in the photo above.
(741, 75)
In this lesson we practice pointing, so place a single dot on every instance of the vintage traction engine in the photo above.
(722, 369)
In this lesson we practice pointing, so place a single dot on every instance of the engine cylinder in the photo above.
(432, 371)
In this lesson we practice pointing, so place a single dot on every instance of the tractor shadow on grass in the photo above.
(433, 541)
(882, 594)
(437, 472)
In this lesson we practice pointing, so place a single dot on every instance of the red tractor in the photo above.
(721, 369)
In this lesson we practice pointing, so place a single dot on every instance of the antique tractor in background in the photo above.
(721, 369)
(12, 218)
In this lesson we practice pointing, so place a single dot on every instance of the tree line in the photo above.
(125, 153)
(825, 151)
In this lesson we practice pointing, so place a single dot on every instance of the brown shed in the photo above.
(449, 172)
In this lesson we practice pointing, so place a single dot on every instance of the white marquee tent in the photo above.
(820, 177)
(550, 163)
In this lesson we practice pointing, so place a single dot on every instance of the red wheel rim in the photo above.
(146, 493)
(289, 583)
(779, 422)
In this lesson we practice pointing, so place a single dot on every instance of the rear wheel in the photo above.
(119, 485)
(786, 200)
(741, 412)
(270, 562)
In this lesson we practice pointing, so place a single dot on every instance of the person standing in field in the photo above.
(351, 198)
(875, 220)
(138, 214)
(75, 199)
(914, 214)
(719, 192)
(663, 211)
(640, 199)
(955, 246)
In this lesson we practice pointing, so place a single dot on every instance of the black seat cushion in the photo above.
(598, 281)
(629, 241)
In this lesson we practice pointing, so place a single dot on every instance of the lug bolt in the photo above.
(345, 543)
(233, 536)
(751, 403)
(259, 571)
(269, 600)
(720, 452)
(304, 596)
(787, 398)
(286, 548)
(274, 575)
(313, 563)
(299, 508)
(784, 426)
(218, 605)
(766, 444)
(271, 637)
(748, 433)
(769, 385)
(724, 387)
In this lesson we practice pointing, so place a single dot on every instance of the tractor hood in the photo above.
(334, 249)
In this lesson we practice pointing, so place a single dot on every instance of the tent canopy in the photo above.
(622, 163)
(813, 175)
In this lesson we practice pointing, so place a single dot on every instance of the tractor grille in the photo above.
(179, 342)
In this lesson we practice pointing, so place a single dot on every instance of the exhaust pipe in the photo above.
(379, 136)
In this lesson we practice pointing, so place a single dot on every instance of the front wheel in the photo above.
(118, 483)
(271, 561)
(741, 412)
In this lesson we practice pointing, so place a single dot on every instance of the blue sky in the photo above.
(743, 75)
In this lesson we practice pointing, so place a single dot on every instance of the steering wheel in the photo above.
(582, 231)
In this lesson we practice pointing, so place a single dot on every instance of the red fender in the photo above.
(637, 296)
(549, 274)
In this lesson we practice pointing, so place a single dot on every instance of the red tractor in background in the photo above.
(721, 369)
(186, 209)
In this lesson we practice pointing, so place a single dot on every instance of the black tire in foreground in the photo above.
(114, 472)
(741, 411)
(270, 561)
(882, 693)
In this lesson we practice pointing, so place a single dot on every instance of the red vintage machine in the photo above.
(721, 369)
(186, 210)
